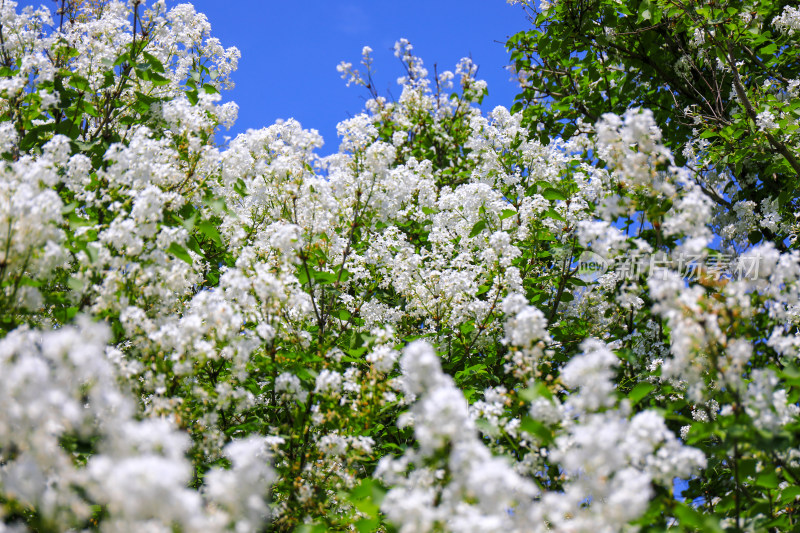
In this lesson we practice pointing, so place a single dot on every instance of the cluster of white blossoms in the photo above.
(606, 457)
(185, 326)
(788, 21)
(59, 396)
(466, 490)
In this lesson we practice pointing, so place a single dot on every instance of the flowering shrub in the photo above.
(720, 78)
(401, 335)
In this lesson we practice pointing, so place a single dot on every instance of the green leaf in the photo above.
(553, 194)
(701, 431)
(477, 228)
(156, 79)
(323, 277)
(217, 205)
(537, 391)
(153, 62)
(507, 213)
(210, 230)
(640, 391)
(75, 284)
(189, 223)
(240, 187)
(467, 327)
(91, 251)
(552, 213)
(534, 427)
(37, 136)
(311, 528)
(180, 252)
(754, 237)
(486, 428)
(341, 314)
(302, 276)
(69, 208)
(656, 15)
(90, 110)
(123, 58)
(767, 479)
(79, 82)
(747, 467)
(577, 282)
(769, 50)
(790, 494)
(367, 497)
(544, 235)
(690, 517)
(368, 525)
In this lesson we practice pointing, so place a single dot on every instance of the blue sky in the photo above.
(290, 51)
